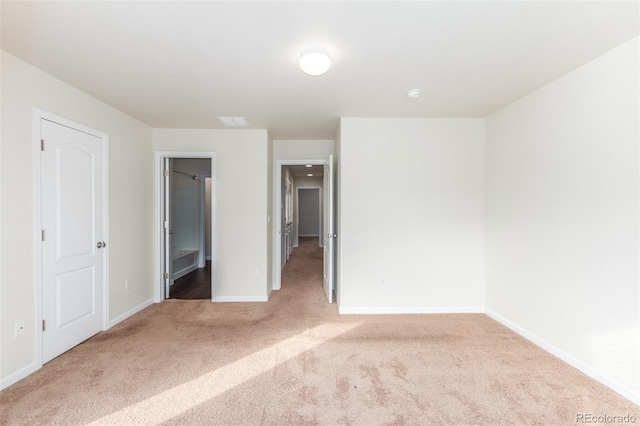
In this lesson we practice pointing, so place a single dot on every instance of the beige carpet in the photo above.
(295, 361)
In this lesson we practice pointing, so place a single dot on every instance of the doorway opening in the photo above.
(292, 176)
(185, 225)
(309, 215)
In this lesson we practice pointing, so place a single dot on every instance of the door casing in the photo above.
(277, 227)
(38, 116)
(158, 213)
(329, 229)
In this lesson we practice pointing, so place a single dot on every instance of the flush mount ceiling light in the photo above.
(314, 62)
(413, 93)
(308, 165)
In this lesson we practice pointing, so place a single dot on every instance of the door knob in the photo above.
(101, 244)
(171, 232)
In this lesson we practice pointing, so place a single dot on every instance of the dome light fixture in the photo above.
(314, 62)
(413, 93)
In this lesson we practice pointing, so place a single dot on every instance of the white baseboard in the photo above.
(19, 375)
(130, 313)
(594, 374)
(33, 367)
(412, 310)
(240, 299)
(182, 272)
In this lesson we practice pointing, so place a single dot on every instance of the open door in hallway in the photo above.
(329, 230)
(167, 227)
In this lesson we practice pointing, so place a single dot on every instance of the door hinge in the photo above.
(165, 173)
(166, 224)
(165, 276)
(41, 144)
(43, 235)
(44, 325)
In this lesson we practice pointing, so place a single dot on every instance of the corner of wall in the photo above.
(270, 215)
(562, 197)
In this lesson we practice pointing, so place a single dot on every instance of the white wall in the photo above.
(207, 216)
(185, 200)
(241, 199)
(309, 212)
(3, 374)
(411, 211)
(302, 149)
(192, 166)
(270, 217)
(130, 239)
(338, 214)
(563, 217)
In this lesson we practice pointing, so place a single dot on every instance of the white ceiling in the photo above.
(303, 171)
(182, 64)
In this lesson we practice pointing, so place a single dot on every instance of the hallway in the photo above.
(303, 270)
(302, 275)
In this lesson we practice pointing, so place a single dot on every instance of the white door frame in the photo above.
(329, 250)
(320, 212)
(203, 198)
(277, 231)
(38, 116)
(158, 229)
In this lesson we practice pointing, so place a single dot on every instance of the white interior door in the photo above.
(329, 230)
(167, 228)
(73, 253)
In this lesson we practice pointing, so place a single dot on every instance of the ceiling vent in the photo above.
(234, 121)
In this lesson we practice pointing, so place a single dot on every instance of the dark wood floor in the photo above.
(195, 285)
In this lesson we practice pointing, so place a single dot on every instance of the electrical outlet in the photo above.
(254, 274)
(383, 281)
(19, 328)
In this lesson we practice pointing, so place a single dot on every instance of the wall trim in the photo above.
(367, 310)
(182, 272)
(131, 312)
(38, 116)
(591, 372)
(241, 298)
(19, 375)
(35, 366)
(159, 156)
